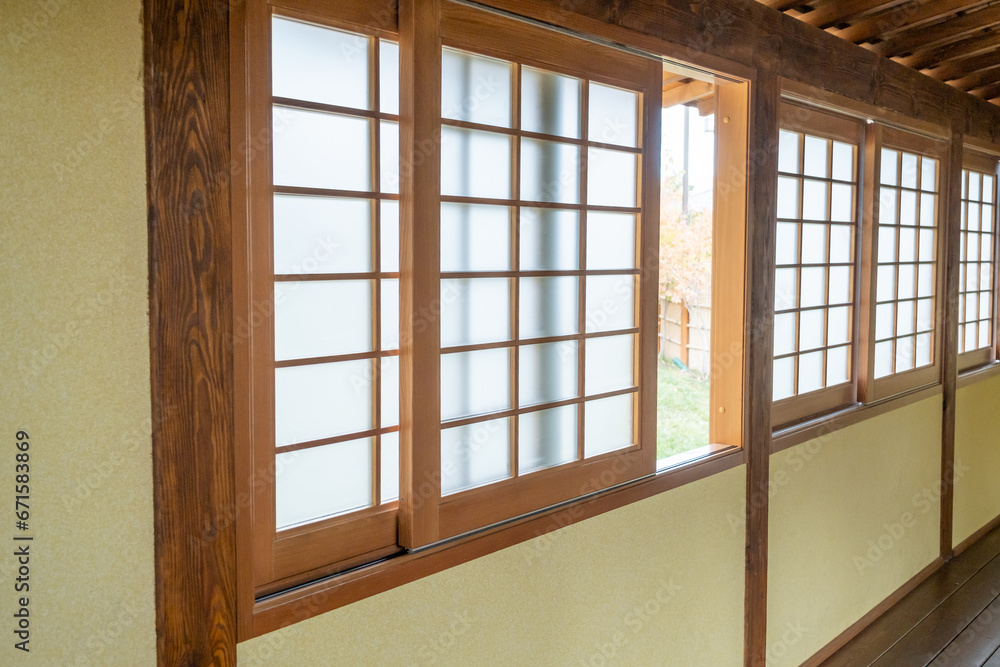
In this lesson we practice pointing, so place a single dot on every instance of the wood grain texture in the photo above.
(188, 158)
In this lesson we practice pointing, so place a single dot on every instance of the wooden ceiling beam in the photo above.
(977, 79)
(688, 92)
(989, 92)
(956, 69)
(782, 5)
(925, 38)
(904, 17)
(972, 46)
(834, 12)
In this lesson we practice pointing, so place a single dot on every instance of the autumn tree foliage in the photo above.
(685, 245)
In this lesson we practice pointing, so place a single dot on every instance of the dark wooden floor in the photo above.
(952, 619)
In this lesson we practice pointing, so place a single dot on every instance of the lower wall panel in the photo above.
(659, 582)
(977, 457)
(853, 516)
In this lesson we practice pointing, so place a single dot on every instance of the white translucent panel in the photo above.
(925, 314)
(610, 303)
(546, 438)
(814, 205)
(322, 401)
(549, 240)
(786, 289)
(784, 378)
(610, 241)
(963, 313)
(390, 314)
(321, 235)
(908, 171)
(975, 181)
(814, 243)
(988, 187)
(810, 372)
(610, 362)
(907, 244)
(319, 64)
(320, 318)
(475, 163)
(550, 103)
(972, 246)
(547, 373)
(886, 244)
(883, 359)
(984, 334)
(904, 318)
(788, 152)
(389, 472)
(389, 156)
(613, 115)
(841, 244)
(311, 484)
(888, 200)
(971, 337)
(838, 326)
(842, 203)
(550, 171)
(607, 425)
(889, 173)
(973, 219)
(907, 208)
(788, 198)
(843, 161)
(816, 161)
(986, 248)
(928, 245)
(964, 221)
(885, 283)
(928, 175)
(388, 66)
(321, 150)
(838, 366)
(904, 354)
(475, 88)
(389, 377)
(474, 455)
(841, 285)
(906, 287)
(611, 178)
(971, 278)
(548, 306)
(389, 236)
(984, 305)
(987, 219)
(812, 329)
(474, 311)
(885, 319)
(928, 210)
(965, 178)
(813, 287)
(475, 237)
(474, 383)
(787, 243)
(784, 334)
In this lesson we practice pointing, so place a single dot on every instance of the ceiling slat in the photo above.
(977, 79)
(833, 12)
(924, 38)
(904, 17)
(781, 5)
(966, 66)
(988, 93)
(971, 46)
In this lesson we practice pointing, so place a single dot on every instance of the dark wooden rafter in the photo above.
(978, 79)
(924, 38)
(963, 67)
(979, 44)
(906, 18)
(833, 13)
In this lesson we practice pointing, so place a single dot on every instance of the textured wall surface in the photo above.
(977, 457)
(74, 333)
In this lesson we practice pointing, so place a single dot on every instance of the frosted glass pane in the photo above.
(388, 65)
(315, 483)
(546, 438)
(474, 455)
(904, 354)
(984, 334)
(965, 179)
(322, 318)
(814, 244)
(973, 246)
(971, 278)
(889, 167)
(814, 200)
(610, 241)
(816, 156)
(973, 220)
(788, 198)
(813, 287)
(886, 244)
(988, 186)
(885, 283)
(842, 203)
(984, 305)
(810, 372)
(784, 334)
(885, 318)
(613, 115)
(607, 425)
(786, 289)
(923, 349)
(390, 314)
(389, 152)
(321, 235)
(887, 207)
(319, 64)
(547, 373)
(389, 236)
(788, 243)
(788, 152)
(968, 340)
(841, 244)
(928, 249)
(548, 307)
(390, 467)
(475, 164)
(928, 177)
(609, 364)
(475, 237)
(838, 366)
(986, 248)
(925, 277)
(550, 103)
(974, 185)
(475, 88)
(550, 171)
(925, 314)
(904, 318)
(610, 303)
(909, 171)
(474, 383)
(812, 329)
(321, 150)
(843, 161)
(907, 244)
(611, 178)
(839, 326)
(928, 210)
(550, 239)
(907, 208)
(389, 367)
(987, 219)
(784, 378)
(322, 401)
(474, 311)
(883, 359)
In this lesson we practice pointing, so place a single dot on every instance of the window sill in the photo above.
(978, 374)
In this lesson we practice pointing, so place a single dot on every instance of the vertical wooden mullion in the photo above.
(868, 260)
(374, 73)
(856, 250)
(582, 265)
(995, 259)
(827, 269)
(514, 250)
(801, 185)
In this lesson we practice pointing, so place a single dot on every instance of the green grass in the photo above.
(682, 405)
